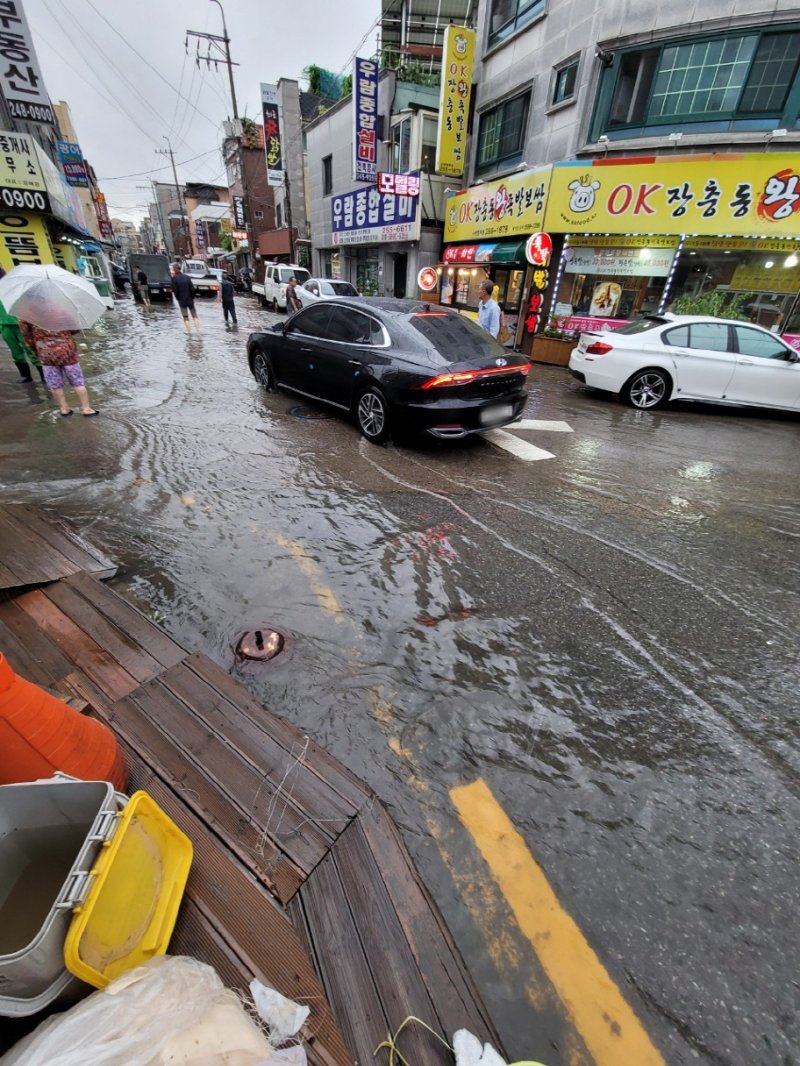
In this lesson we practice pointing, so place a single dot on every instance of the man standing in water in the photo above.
(183, 291)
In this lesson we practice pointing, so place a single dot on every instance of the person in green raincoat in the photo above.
(20, 352)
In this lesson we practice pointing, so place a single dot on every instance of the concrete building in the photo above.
(381, 259)
(86, 196)
(243, 152)
(126, 237)
(564, 90)
(171, 209)
(208, 208)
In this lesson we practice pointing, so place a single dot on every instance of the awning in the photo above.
(211, 212)
(489, 254)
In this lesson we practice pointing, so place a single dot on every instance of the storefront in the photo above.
(486, 229)
(697, 235)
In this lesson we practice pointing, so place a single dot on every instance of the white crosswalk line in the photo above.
(542, 424)
(519, 448)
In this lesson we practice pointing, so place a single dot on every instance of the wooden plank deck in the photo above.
(299, 876)
(36, 548)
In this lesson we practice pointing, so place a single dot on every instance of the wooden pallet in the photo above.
(299, 875)
(36, 548)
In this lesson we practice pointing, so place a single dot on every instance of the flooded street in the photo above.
(606, 639)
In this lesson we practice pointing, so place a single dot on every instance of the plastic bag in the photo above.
(283, 1016)
(173, 1011)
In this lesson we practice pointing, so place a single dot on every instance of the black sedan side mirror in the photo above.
(793, 357)
(278, 327)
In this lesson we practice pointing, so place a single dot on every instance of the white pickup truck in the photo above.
(205, 283)
(272, 289)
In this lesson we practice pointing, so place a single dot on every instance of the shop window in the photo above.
(755, 343)
(565, 81)
(401, 146)
(508, 16)
(502, 133)
(715, 78)
(279, 216)
(258, 215)
(327, 175)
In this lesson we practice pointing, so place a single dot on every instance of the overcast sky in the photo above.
(122, 109)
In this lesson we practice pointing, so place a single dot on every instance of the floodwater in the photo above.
(606, 638)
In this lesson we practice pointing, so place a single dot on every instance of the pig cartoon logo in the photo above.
(453, 216)
(583, 193)
(461, 44)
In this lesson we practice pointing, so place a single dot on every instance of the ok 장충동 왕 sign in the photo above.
(366, 216)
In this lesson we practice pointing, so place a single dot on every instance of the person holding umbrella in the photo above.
(52, 305)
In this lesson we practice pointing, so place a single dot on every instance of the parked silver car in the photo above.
(324, 289)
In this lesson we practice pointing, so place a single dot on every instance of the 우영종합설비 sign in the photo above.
(20, 75)
(365, 111)
(366, 216)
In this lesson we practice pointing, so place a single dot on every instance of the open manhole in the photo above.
(308, 413)
(264, 644)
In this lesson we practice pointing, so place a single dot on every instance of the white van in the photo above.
(276, 277)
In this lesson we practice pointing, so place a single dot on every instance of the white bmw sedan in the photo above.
(680, 357)
(324, 289)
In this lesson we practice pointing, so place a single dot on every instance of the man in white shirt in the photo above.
(488, 310)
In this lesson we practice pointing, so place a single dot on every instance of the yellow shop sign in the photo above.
(456, 89)
(729, 194)
(514, 206)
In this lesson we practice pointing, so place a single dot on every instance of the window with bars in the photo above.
(745, 75)
(502, 132)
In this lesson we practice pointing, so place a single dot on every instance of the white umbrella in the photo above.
(50, 298)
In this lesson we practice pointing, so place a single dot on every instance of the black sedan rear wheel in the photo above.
(262, 370)
(372, 415)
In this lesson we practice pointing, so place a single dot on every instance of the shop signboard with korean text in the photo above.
(365, 117)
(22, 184)
(506, 208)
(238, 212)
(64, 200)
(637, 262)
(103, 220)
(755, 194)
(454, 97)
(398, 184)
(23, 240)
(366, 216)
(71, 158)
(273, 148)
(20, 77)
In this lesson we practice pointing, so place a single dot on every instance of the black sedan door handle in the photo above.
(354, 362)
(309, 351)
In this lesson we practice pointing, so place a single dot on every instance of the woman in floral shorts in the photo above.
(58, 355)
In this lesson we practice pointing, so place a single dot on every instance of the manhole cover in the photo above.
(308, 413)
(262, 645)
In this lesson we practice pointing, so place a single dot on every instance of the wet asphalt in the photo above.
(606, 638)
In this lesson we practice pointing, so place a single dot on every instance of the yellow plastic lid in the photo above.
(136, 888)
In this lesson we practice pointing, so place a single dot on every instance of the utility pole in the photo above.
(152, 190)
(181, 206)
(219, 50)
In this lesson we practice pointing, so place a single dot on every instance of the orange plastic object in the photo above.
(40, 735)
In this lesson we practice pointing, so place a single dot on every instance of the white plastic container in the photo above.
(50, 833)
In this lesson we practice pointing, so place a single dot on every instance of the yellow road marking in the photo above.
(610, 1029)
(308, 566)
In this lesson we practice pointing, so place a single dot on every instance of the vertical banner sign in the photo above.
(20, 77)
(272, 134)
(103, 220)
(72, 161)
(365, 112)
(456, 89)
(238, 212)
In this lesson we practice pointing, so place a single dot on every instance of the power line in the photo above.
(146, 61)
(157, 170)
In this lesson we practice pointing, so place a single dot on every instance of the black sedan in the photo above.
(394, 366)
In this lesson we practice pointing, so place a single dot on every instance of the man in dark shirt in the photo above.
(183, 291)
(144, 292)
(226, 291)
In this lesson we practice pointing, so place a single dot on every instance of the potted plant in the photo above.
(555, 343)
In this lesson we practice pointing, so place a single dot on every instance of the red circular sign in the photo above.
(538, 249)
(427, 279)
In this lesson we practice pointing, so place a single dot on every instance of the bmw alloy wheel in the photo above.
(647, 390)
